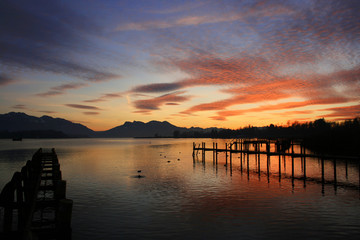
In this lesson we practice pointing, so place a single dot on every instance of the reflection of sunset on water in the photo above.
(181, 197)
(322, 169)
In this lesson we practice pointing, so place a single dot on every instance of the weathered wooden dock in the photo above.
(273, 148)
(34, 201)
(281, 148)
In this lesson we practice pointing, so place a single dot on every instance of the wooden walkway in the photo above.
(280, 148)
(272, 148)
(34, 201)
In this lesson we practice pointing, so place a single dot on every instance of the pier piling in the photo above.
(37, 187)
(280, 148)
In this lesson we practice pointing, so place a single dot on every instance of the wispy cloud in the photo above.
(343, 112)
(256, 57)
(283, 106)
(104, 97)
(61, 89)
(194, 20)
(79, 106)
(183, 7)
(46, 41)
(47, 112)
(5, 79)
(151, 104)
(91, 113)
(157, 87)
(20, 106)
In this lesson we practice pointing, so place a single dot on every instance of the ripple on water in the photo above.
(194, 199)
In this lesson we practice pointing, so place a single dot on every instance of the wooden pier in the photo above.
(269, 148)
(34, 202)
(279, 147)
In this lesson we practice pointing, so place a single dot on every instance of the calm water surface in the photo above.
(180, 197)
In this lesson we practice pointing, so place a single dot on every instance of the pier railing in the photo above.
(34, 202)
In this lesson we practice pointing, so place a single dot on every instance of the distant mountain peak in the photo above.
(19, 121)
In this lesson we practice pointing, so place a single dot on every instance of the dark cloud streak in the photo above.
(151, 104)
(4, 80)
(79, 106)
(43, 35)
(61, 89)
(104, 97)
(91, 113)
(157, 87)
(20, 106)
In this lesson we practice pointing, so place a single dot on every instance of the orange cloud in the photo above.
(283, 106)
(343, 112)
(264, 59)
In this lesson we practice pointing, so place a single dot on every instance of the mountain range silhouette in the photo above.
(22, 124)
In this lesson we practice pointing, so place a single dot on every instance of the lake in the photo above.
(181, 197)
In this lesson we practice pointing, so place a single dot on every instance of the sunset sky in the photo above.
(193, 63)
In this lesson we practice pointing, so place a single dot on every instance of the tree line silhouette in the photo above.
(319, 135)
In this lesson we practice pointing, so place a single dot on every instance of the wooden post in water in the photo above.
(292, 161)
(248, 170)
(213, 152)
(292, 170)
(7, 197)
(359, 172)
(60, 190)
(203, 152)
(241, 162)
(335, 179)
(226, 154)
(322, 171)
(241, 153)
(346, 169)
(304, 164)
(19, 200)
(216, 153)
(258, 155)
(284, 159)
(302, 158)
(230, 152)
(267, 168)
(279, 167)
(64, 218)
(292, 165)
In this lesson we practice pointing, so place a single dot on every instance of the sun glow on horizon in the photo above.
(215, 64)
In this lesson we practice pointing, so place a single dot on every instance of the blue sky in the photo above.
(193, 63)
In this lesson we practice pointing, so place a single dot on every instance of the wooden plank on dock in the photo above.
(38, 186)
